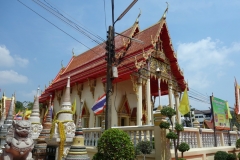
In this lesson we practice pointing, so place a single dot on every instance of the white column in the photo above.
(148, 99)
(171, 99)
(139, 102)
(176, 96)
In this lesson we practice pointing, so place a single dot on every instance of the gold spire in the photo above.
(165, 12)
(73, 52)
(62, 64)
(138, 16)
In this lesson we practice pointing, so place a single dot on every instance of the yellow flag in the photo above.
(229, 113)
(27, 114)
(74, 106)
(184, 104)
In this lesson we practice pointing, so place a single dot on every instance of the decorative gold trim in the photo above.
(59, 97)
(122, 110)
(139, 64)
(79, 90)
(92, 84)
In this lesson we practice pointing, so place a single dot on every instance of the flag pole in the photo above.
(213, 119)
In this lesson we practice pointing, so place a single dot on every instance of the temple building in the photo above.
(5, 105)
(145, 71)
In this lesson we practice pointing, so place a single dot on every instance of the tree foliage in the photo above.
(115, 144)
(220, 155)
(173, 134)
(183, 147)
(144, 147)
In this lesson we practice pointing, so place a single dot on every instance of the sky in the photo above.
(34, 43)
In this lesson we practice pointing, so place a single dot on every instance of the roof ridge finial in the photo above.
(73, 52)
(138, 16)
(165, 12)
(62, 64)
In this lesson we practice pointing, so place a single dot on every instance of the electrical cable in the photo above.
(65, 20)
(57, 10)
(57, 27)
(192, 95)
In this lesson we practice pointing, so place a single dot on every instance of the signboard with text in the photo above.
(220, 112)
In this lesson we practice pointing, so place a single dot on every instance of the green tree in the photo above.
(18, 106)
(174, 132)
(144, 147)
(183, 147)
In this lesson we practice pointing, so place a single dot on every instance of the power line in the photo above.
(57, 27)
(67, 21)
(57, 10)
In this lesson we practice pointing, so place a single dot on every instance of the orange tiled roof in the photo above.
(7, 105)
(92, 63)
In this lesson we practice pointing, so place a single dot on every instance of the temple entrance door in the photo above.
(124, 121)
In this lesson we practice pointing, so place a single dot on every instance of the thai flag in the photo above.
(18, 117)
(99, 104)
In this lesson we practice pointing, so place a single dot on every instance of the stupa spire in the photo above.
(66, 104)
(10, 113)
(35, 110)
(35, 118)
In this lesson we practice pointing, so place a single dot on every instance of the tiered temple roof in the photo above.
(92, 64)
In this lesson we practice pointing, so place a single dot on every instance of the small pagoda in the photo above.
(7, 123)
(40, 148)
(63, 127)
(35, 118)
(78, 151)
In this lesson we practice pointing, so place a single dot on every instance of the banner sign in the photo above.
(220, 112)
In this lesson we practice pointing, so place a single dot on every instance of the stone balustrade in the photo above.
(195, 137)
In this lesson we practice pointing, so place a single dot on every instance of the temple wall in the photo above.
(120, 89)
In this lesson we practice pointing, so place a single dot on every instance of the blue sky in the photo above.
(205, 35)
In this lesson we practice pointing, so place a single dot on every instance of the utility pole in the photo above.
(110, 58)
(110, 48)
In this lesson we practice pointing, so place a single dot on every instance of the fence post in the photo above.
(162, 144)
(199, 134)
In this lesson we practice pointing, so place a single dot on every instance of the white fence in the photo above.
(196, 138)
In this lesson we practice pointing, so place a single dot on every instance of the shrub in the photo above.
(144, 147)
(238, 156)
(238, 143)
(181, 158)
(98, 156)
(115, 144)
(172, 135)
(231, 156)
(220, 155)
(183, 147)
(164, 125)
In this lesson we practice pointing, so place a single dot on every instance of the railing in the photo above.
(136, 134)
(196, 138)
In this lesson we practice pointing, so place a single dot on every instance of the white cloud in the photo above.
(6, 59)
(204, 58)
(22, 62)
(28, 95)
(10, 76)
